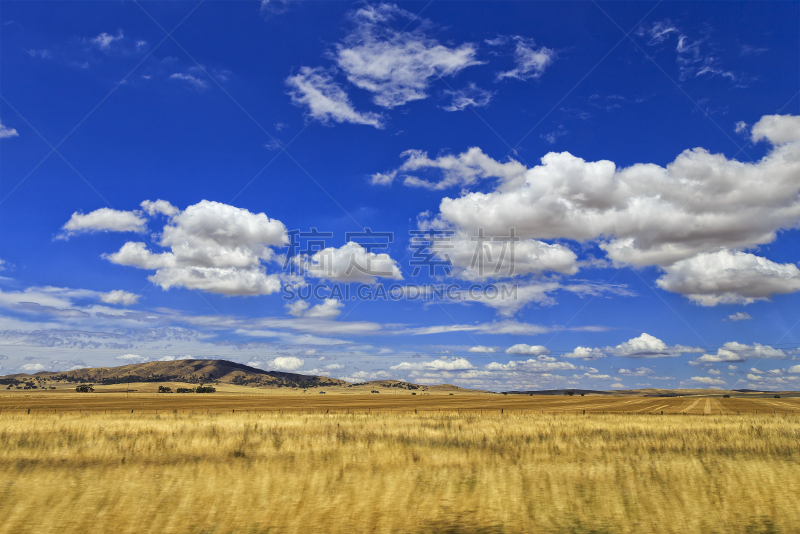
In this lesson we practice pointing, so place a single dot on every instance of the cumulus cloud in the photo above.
(6, 132)
(396, 66)
(709, 381)
(531, 350)
(153, 207)
(729, 277)
(103, 220)
(286, 363)
(585, 353)
(471, 95)
(739, 316)
(531, 366)
(329, 309)
(214, 247)
(481, 348)
(435, 365)
(733, 351)
(479, 258)
(350, 263)
(34, 367)
(777, 129)
(325, 100)
(692, 218)
(647, 346)
(119, 296)
(530, 61)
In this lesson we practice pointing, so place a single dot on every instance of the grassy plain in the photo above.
(228, 398)
(393, 470)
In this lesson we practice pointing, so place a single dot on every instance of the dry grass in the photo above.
(397, 472)
(399, 401)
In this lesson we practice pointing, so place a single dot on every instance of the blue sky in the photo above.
(162, 165)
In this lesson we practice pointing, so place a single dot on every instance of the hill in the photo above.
(189, 371)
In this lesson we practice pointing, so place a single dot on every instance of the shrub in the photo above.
(84, 388)
(777, 397)
(185, 390)
(726, 396)
(164, 389)
(205, 389)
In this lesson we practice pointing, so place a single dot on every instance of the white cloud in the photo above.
(350, 263)
(119, 296)
(492, 257)
(740, 127)
(396, 66)
(159, 206)
(531, 62)
(639, 371)
(104, 40)
(329, 309)
(481, 348)
(694, 57)
(135, 358)
(714, 372)
(286, 363)
(658, 32)
(191, 80)
(531, 350)
(709, 381)
(585, 353)
(647, 346)
(593, 376)
(733, 351)
(325, 99)
(434, 365)
(777, 129)
(729, 277)
(103, 220)
(214, 247)
(794, 369)
(175, 358)
(6, 132)
(274, 7)
(618, 385)
(531, 366)
(35, 367)
(702, 209)
(739, 316)
(722, 355)
(471, 95)
(363, 376)
(297, 307)
(465, 169)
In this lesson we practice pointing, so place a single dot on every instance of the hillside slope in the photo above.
(190, 371)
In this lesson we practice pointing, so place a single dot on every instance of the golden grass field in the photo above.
(113, 399)
(177, 468)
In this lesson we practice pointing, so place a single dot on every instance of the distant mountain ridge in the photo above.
(190, 371)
